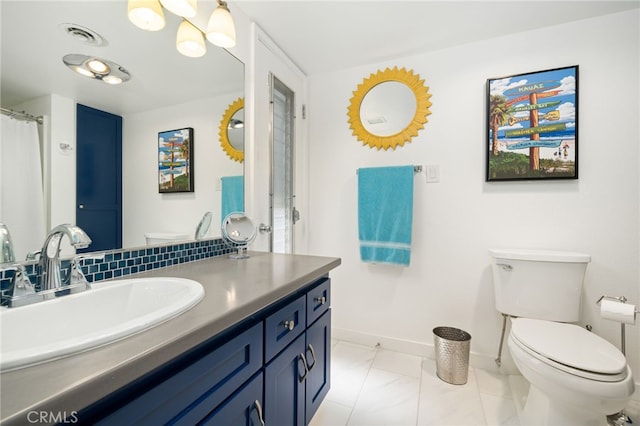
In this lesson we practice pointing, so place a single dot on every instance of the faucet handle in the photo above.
(33, 255)
(76, 266)
(20, 284)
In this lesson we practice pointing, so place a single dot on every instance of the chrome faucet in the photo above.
(50, 253)
(6, 245)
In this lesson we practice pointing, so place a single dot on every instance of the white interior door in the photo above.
(276, 167)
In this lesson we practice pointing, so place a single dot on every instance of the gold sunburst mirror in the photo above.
(389, 108)
(231, 130)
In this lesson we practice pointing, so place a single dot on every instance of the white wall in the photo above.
(58, 165)
(456, 220)
(145, 209)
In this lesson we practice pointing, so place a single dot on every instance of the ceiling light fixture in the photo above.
(190, 41)
(221, 30)
(97, 68)
(146, 14)
(184, 8)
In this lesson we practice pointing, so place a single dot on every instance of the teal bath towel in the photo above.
(385, 214)
(232, 195)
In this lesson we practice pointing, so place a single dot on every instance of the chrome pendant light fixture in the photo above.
(220, 31)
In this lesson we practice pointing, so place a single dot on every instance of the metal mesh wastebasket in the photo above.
(452, 354)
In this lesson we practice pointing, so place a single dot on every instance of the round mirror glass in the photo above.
(203, 226)
(235, 130)
(388, 108)
(238, 229)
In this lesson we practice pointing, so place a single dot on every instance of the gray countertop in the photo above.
(234, 290)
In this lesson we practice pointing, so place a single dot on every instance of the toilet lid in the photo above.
(569, 345)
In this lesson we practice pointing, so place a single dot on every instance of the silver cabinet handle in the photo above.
(306, 368)
(289, 324)
(313, 356)
(256, 404)
(321, 300)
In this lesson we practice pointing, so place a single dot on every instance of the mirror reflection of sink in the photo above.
(110, 311)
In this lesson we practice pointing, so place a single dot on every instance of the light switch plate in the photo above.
(433, 173)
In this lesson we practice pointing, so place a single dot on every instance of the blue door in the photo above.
(99, 177)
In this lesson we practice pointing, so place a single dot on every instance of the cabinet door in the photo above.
(243, 409)
(187, 394)
(318, 357)
(284, 386)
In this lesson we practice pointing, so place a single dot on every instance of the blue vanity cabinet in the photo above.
(298, 378)
(242, 409)
(187, 390)
(271, 369)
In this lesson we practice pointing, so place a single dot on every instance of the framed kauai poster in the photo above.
(175, 160)
(532, 126)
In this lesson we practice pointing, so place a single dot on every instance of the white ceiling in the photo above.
(321, 35)
(33, 44)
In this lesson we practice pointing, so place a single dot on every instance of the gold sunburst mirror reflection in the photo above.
(389, 108)
(231, 130)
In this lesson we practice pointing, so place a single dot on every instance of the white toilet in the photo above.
(575, 377)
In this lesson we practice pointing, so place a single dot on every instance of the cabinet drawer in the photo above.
(318, 301)
(190, 393)
(283, 326)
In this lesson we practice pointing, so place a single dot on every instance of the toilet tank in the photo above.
(539, 284)
(155, 238)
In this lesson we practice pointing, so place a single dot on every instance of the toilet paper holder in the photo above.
(621, 299)
(618, 418)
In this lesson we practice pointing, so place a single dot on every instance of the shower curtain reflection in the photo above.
(21, 193)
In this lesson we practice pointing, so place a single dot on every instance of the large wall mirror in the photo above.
(389, 108)
(167, 91)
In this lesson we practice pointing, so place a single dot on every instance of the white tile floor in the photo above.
(371, 386)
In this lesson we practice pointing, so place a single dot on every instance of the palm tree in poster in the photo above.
(498, 116)
(184, 152)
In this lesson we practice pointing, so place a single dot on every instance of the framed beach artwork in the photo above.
(175, 160)
(532, 126)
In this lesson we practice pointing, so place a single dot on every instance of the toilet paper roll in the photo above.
(618, 311)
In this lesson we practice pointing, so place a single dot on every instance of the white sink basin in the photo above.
(109, 311)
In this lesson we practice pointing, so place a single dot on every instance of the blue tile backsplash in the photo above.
(123, 262)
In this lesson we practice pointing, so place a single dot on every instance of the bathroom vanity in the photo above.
(255, 349)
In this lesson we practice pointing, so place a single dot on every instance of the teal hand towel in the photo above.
(232, 195)
(385, 214)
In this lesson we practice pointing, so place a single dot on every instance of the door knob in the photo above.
(265, 228)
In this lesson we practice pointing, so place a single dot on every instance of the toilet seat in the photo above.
(570, 348)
